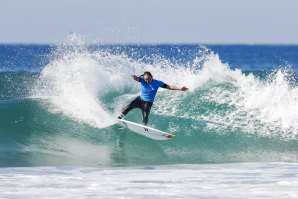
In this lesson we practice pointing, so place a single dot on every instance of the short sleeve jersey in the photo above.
(149, 90)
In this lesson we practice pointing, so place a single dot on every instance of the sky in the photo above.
(150, 21)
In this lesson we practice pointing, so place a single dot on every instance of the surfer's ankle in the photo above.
(120, 116)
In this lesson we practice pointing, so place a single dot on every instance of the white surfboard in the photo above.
(145, 130)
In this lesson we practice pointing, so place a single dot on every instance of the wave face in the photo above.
(61, 109)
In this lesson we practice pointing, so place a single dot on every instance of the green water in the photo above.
(33, 135)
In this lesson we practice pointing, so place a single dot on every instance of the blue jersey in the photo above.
(149, 90)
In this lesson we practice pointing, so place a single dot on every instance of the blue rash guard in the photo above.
(149, 90)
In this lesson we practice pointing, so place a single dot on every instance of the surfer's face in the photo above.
(148, 79)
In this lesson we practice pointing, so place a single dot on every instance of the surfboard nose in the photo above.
(169, 136)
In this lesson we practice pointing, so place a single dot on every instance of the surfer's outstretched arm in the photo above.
(184, 88)
(136, 78)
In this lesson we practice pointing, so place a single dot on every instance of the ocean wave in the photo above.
(66, 114)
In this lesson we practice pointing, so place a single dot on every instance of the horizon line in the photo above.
(155, 43)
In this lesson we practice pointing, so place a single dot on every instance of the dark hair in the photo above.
(148, 73)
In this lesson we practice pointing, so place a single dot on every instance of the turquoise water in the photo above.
(58, 105)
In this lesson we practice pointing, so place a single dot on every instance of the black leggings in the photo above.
(141, 104)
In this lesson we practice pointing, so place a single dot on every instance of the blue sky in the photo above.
(151, 21)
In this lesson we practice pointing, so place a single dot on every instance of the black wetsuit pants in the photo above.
(141, 104)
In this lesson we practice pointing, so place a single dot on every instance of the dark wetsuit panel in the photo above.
(141, 104)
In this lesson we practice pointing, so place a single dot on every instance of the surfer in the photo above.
(145, 100)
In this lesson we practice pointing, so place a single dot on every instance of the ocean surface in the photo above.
(236, 129)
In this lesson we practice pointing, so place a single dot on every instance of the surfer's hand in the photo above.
(184, 88)
(135, 77)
